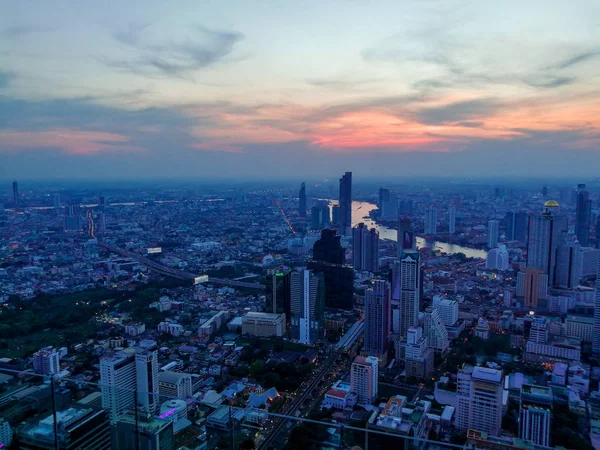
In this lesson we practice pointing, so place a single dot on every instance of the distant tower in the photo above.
(56, 201)
(544, 235)
(377, 318)
(278, 292)
(532, 285)
(431, 220)
(16, 193)
(410, 291)
(583, 216)
(346, 203)
(452, 218)
(308, 303)
(516, 226)
(492, 233)
(568, 262)
(405, 237)
(320, 217)
(384, 198)
(365, 248)
(302, 200)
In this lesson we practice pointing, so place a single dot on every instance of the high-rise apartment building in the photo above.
(365, 248)
(345, 223)
(364, 375)
(417, 356)
(409, 291)
(302, 200)
(532, 285)
(430, 220)
(568, 261)
(479, 396)
(535, 415)
(278, 294)
(308, 303)
(435, 331)
(175, 384)
(405, 236)
(448, 309)
(583, 216)
(497, 258)
(46, 361)
(377, 318)
(493, 230)
(516, 226)
(15, 187)
(544, 235)
(452, 218)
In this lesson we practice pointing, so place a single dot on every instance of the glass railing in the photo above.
(39, 411)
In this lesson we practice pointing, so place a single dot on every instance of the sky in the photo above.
(277, 88)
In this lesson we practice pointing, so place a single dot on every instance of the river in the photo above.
(360, 213)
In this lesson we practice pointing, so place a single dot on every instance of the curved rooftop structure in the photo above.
(551, 204)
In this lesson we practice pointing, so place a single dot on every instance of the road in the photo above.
(279, 424)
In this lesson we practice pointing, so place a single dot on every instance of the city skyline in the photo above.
(452, 89)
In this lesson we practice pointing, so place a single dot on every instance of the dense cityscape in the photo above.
(308, 315)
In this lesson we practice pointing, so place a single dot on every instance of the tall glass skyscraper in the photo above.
(516, 226)
(365, 248)
(377, 318)
(308, 303)
(410, 291)
(302, 200)
(583, 216)
(346, 203)
(544, 237)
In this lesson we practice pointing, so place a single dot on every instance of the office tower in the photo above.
(175, 384)
(329, 260)
(532, 285)
(452, 218)
(46, 361)
(278, 298)
(479, 395)
(435, 331)
(377, 318)
(497, 259)
(447, 308)
(146, 369)
(544, 191)
(335, 215)
(320, 217)
(418, 357)
(15, 187)
(308, 305)
(516, 226)
(56, 201)
(544, 235)
(384, 198)
(535, 415)
(346, 203)
(302, 200)
(101, 201)
(568, 261)
(493, 228)
(596, 340)
(405, 237)
(583, 216)
(364, 376)
(73, 219)
(365, 248)
(144, 432)
(430, 220)
(410, 291)
(78, 427)
(406, 207)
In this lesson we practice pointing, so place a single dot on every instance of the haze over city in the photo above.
(275, 89)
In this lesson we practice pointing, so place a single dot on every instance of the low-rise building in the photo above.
(263, 324)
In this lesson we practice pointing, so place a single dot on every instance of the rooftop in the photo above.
(486, 374)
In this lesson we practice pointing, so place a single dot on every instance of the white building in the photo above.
(535, 415)
(214, 323)
(479, 396)
(135, 329)
(364, 375)
(482, 330)
(263, 324)
(410, 291)
(448, 309)
(580, 327)
(497, 259)
(435, 331)
(171, 328)
(175, 384)
(46, 361)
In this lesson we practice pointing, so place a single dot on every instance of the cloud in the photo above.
(459, 111)
(5, 79)
(174, 59)
(576, 59)
(22, 30)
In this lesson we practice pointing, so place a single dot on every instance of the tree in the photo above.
(257, 368)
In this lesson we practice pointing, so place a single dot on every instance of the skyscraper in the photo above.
(364, 375)
(388, 204)
(418, 357)
(596, 340)
(535, 414)
(56, 201)
(479, 395)
(405, 237)
(583, 216)
(493, 233)
(278, 300)
(516, 226)
(544, 235)
(146, 374)
(532, 285)
(365, 248)
(410, 291)
(452, 218)
(302, 200)
(308, 302)
(346, 203)
(15, 187)
(568, 261)
(435, 331)
(497, 259)
(329, 260)
(46, 361)
(430, 220)
(384, 198)
(377, 318)
(320, 217)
